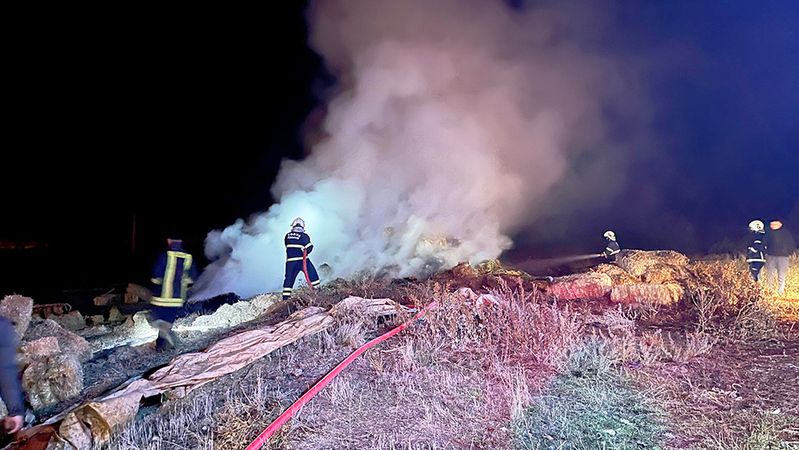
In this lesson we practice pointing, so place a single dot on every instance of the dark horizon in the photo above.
(184, 126)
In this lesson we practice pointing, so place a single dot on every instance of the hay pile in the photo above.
(639, 262)
(231, 315)
(582, 286)
(667, 273)
(51, 358)
(659, 277)
(496, 268)
(659, 294)
(618, 275)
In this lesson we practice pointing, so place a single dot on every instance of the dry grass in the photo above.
(729, 304)
(364, 285)
(628, 345)
(230, 412)
(456, 379)
(764, 431)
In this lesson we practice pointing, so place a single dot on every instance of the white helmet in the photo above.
(298, 222)
(610, 235)
(756, 225)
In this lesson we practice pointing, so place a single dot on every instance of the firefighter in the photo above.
(612, 247)
(10, 386)
(756, 252)
(173, 273)
(298, 247)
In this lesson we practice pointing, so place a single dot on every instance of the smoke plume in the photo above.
(452, 123)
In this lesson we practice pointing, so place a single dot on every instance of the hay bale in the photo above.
(586, 286)
(616, 274)
(465, 270)
(666, 273)
(70, 343)
(46, 346)
(637, 262)
(230, 315)
(135, 293)
(72, 321)
(495, 267)
(114, 315)
(51, 380)
(51, 309)
(18, 310)
(106, 299)
(97, 319)
(661, 294)
(94, 331)
(135, 330)
(40, 348)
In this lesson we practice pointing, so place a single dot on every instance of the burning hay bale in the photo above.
(18, 310)
(52, 379)
(617, 274)
(230, 315)
(660, 294)
(638, 262)
(464, 274)
(69, 342)
(585, 286)
(465, 270)
(495, 267)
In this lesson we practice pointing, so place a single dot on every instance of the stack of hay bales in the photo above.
(661, 275)
(639, 276)
(50, 355)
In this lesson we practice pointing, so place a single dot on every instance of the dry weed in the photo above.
(729, 304)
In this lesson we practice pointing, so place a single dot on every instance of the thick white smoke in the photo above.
(453, 121)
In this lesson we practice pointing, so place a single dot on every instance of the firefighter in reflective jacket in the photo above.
(756, 252)
(174, 272)
(612, 247)
(298, 247)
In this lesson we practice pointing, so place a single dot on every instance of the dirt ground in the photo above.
(731, 391)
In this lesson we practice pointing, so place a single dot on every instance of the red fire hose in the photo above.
(310, 393)
(305, 268)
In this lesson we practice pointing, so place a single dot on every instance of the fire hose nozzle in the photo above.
(548, 279)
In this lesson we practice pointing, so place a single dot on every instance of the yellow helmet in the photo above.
(610, 235)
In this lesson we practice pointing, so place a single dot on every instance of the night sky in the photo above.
(181, 118)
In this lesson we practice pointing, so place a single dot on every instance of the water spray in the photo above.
(540, 264)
